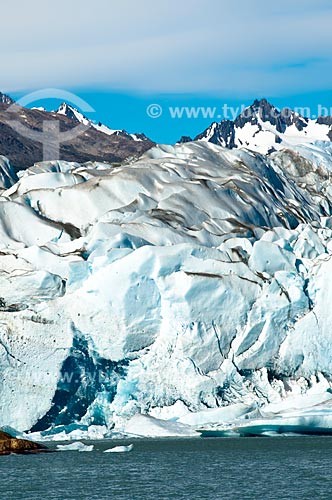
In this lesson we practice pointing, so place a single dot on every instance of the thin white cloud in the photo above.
(168, 46)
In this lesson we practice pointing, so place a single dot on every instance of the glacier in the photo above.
(188, 289)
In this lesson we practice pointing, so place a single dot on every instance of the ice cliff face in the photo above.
(195, 278)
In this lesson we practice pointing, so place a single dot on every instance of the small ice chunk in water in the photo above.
(120, 449)
(77, 446)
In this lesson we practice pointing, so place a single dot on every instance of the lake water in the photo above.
(292, 468)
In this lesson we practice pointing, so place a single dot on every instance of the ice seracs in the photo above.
(185, 289)
(8, 176)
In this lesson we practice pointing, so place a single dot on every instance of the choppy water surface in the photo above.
(212, 469)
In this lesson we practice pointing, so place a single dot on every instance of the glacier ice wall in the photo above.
(195, 276)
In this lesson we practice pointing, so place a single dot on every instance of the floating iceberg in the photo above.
(120, 449)
(77, 446)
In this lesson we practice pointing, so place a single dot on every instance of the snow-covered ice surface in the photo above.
(187, 289)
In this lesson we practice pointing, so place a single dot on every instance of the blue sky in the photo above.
(122, 56)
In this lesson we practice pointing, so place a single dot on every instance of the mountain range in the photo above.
(260, 127)
(97, 143)
(263, 128)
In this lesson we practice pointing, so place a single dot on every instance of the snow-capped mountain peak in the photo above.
(5, 99)
(264, 128)
(73, 113)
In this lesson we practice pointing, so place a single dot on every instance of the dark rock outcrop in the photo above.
(5, 99)
(10, 444)
(91, 145)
